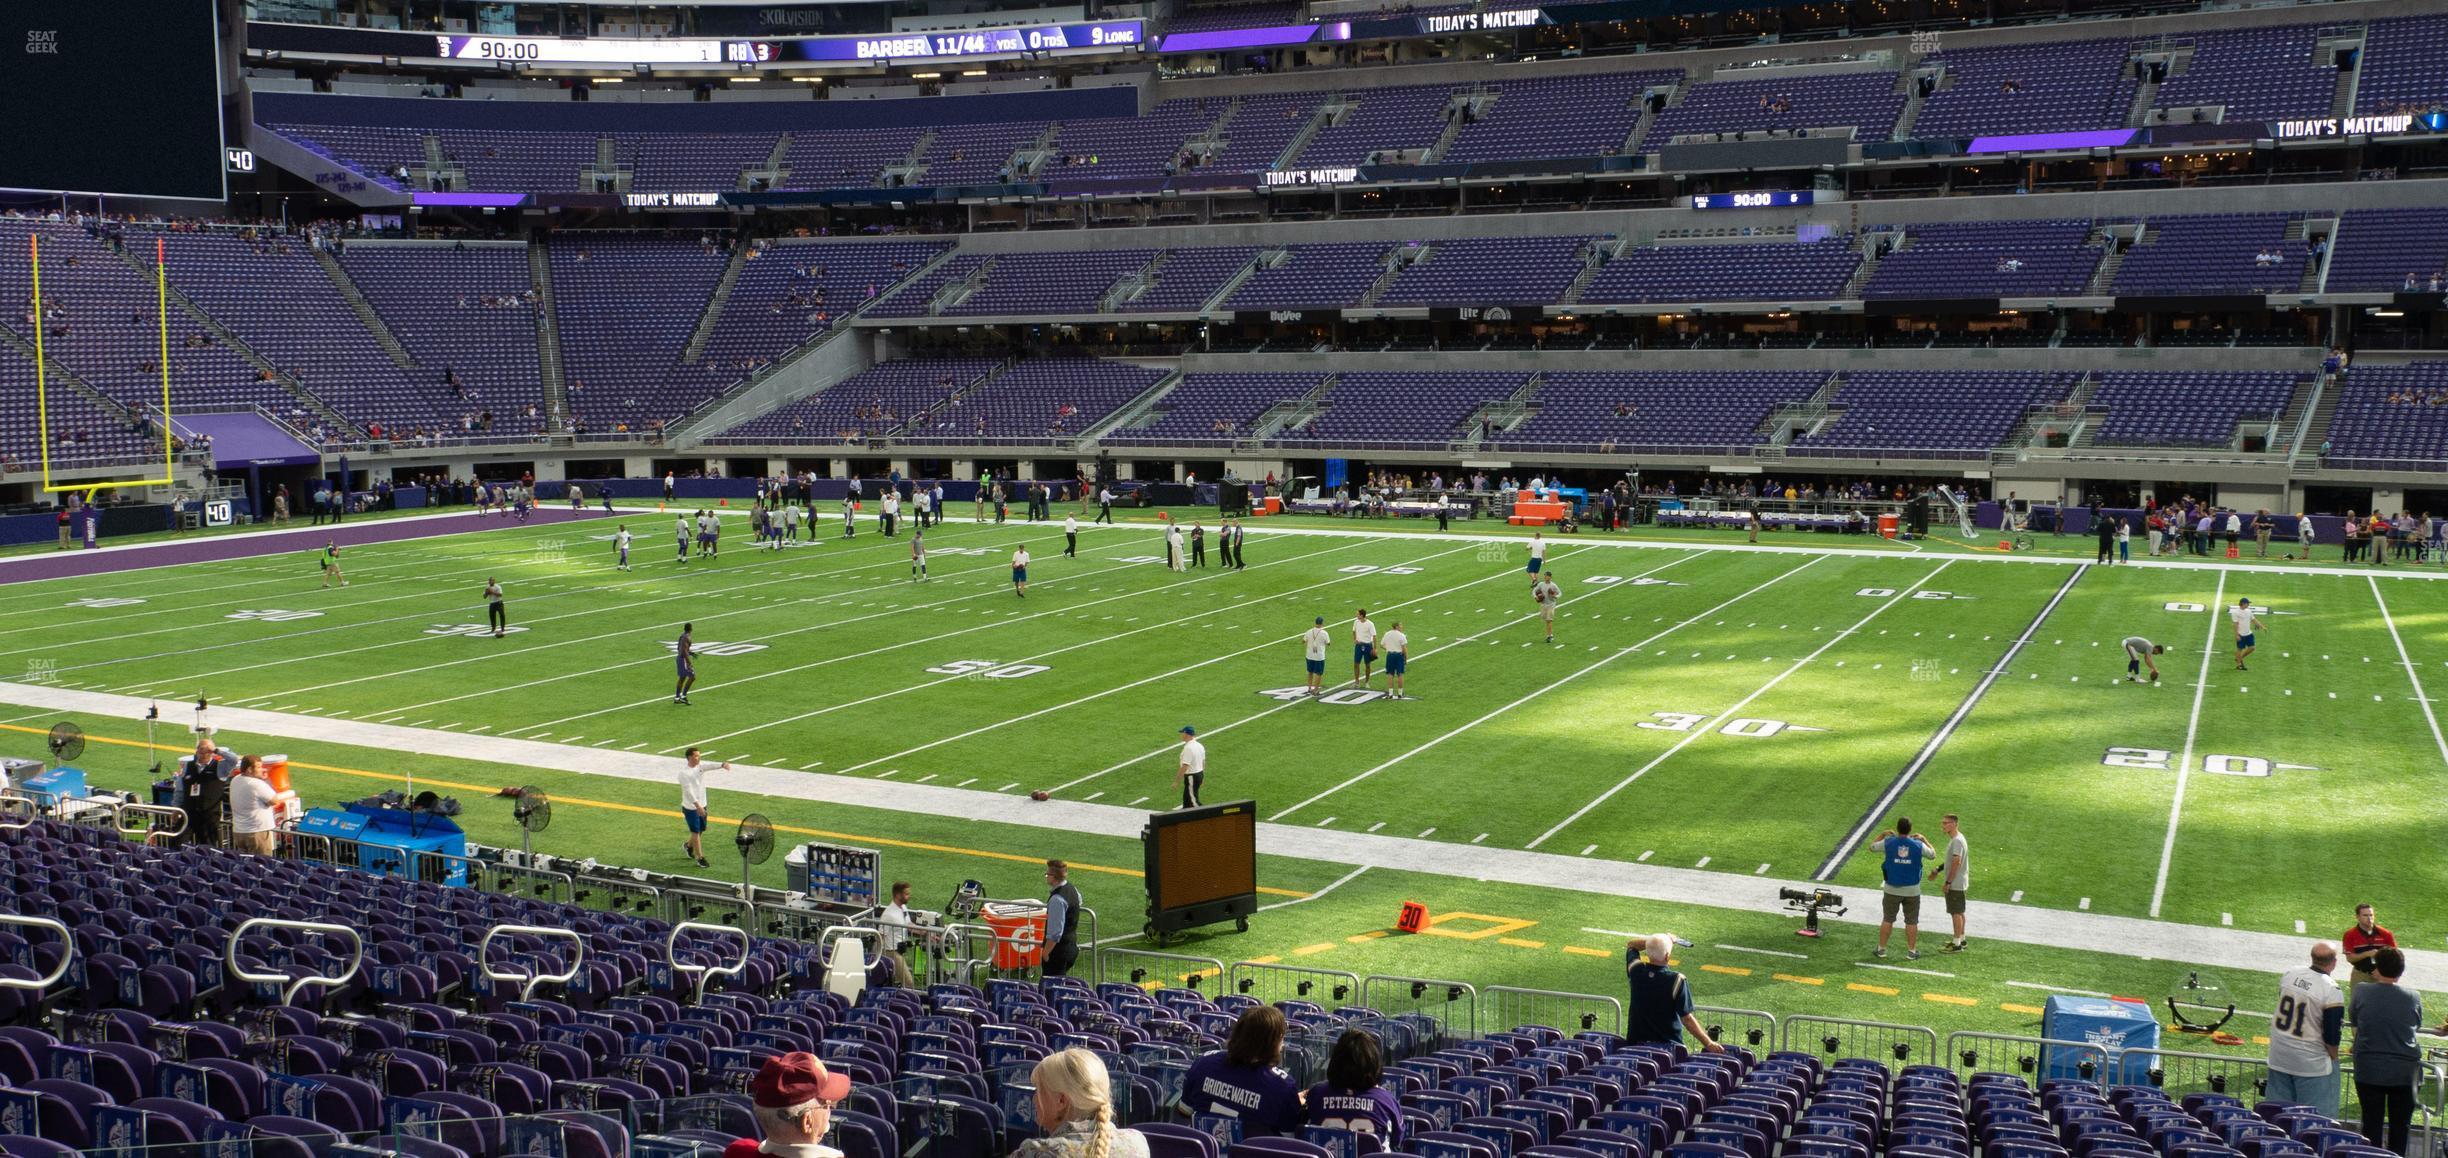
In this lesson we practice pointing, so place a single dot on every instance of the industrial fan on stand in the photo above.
(533, 813)
(66, 741)
(755, 840)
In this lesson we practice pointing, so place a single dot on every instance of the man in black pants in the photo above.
(1062, 920)
(2387, 1058)
(203, 785)
(1198, 545)
(1104, 505)
(495, 617)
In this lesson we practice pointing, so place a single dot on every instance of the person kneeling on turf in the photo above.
(2138, 653)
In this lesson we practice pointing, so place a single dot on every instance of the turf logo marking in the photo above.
(1340, 697)
(2159, 760)
(1745, 727)
(1927, 670)
(1139, 559)
(272, 615)
(104, 601)
(710, 647)
(1492, 553)
(468, 629)
(551, 552)
(41, 671)
(990, 669)
(1371, 568)
(2181, 605)
(1889, 593)
(1636, 581)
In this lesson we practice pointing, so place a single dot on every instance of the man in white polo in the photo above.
(1313, 653)
(1364, 649)
(1193, 770)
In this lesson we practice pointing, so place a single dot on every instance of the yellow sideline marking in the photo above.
(669, 814)
(1799, 980)
(1729, 970)
(2011, 1007)
(1364, 938)
(1881, 990)
(1264, 960)
(1306, 950)
(1586, 951)
(1948, 999)
(1497, 926)
(1519, 943)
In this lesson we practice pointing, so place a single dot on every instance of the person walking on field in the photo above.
(693, 804)
(1192, 775)
(1546, 594)
(1956, 872)
(495, 617)
(1313, 654)
(1019, 566)
(2247, 623)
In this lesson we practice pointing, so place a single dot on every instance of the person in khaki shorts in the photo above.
(1956, 868)
(1901, 855)
(252, 815)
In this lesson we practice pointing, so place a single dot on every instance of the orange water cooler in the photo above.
(1019, 932)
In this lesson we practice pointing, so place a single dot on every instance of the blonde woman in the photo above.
(1075, 1109)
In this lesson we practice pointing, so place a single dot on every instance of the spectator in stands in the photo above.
(1063, 907)
(1074, 1107)
(252, 816)
(1244, 1083)
(2303, 1052)
(202, 786)
(1351, 1099)
(2387, 1058)
(794, 1096)
(1661, 1008)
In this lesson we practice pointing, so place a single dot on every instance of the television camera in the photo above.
(1810, 903)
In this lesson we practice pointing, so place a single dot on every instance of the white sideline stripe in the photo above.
(1100, 639)
(2056, 989)
(1938, 739)
(2184, 770)
(1339, 882)
(2099, 933)
(1899, 969)
(2412, 671)
(1093, 696)
(1415, 658)
(1739, 705)
(1764, 952)
(1619, 653)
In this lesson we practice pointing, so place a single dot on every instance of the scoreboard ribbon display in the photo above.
(951, 45)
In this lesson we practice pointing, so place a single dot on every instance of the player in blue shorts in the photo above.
(1538, 551)
(1396, 646)
(1364, 648)
(2247, 623)
(686, 653)
(1020, 562)
(1313, 652)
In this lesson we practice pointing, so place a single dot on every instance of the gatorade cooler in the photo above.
(1019, 932)
(1889, 525)
(284, 798)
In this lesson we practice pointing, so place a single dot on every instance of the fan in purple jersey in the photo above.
(1243, 1087)
(1351, 1099)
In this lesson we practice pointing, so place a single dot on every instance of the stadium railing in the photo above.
(1846, 1037)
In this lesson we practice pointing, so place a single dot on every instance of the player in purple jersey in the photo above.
(1351, 1099)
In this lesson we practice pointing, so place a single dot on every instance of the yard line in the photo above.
(1739, 705)
(1912, 769)
(2167, 847)
(2056, 989)
(1265, 712)
(1337, 883)
(1093, 696)
(924, 684)
(1748, 949)
(2413, 671)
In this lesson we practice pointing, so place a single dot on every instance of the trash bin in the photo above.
(1019, 932)
(1888, 526)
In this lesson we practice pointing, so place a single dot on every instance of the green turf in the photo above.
(1738, 711)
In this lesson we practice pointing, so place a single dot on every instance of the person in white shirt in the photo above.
(1313, 650)
(892, 512)
(1104, 504)
(1071, 536)
(894, 923)
(1173, 547)
(1364, 648)
(252, 813)
(2303, 531)
(1193, 771)
(680, 529)
(2309, 1021)
(1020, 562)
(2247, 622)
(1395, 644)
(925, 500)
(1538, 551)
(693, 804)
(2235, 529)
(1546, 594)
(620, 542)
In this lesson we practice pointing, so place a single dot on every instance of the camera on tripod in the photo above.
(1810, 903)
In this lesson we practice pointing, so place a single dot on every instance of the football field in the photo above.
(1745, 712)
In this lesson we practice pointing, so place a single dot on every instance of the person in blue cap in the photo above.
(1193, 771)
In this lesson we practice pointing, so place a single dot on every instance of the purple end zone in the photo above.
(75, 562)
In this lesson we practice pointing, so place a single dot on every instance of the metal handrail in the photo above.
(57, 971)
(527, 982)
(177, 818)
(17, 811)
(700, 974)
(229, 955)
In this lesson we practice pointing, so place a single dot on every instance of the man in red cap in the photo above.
(794, 1096)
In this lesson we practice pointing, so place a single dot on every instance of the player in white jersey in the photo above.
(1313, 654)
(1546, 594)
(620, 542)
(2247, 621)
(2309, 1020)
(1364, 649)
(2138, 653)
(1396, 647)
(1538, 551)
(1019, 565)
(680, 530)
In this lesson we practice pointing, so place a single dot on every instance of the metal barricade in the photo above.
(2431, 1093)
(2179, 1072)
(148, 822)
(1146, 967)
(613, 891)
(1453, 1006)
(527, 982)
(444, 868)
(293, 983)
(697, 974)
(2006, 1053)
(794, 923)
(17, 812)
(59, 969)
(1274, 983)
(1755, 1029)
(1882, 1041)
(964, 955)
(1506, 1007)
(307, 847)
(523, 881)
(701, 906)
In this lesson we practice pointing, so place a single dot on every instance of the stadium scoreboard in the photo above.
(120, 98)
(1202, 866)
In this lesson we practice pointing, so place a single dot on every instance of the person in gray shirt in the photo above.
(2387, 1059)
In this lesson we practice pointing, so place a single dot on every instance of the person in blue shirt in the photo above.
(1901, 859)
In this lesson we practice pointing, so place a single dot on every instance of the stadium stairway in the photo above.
(548, 340)
(305, 398)
(364, 310)
(58, 374)
(715, 302)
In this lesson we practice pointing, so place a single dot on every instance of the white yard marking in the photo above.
(1426, 832)
(2056, 989)
(2413, 671)
(1742, 703)
(1478, 838)
(1646, 855)
(1703, 863)
(2084, 904)
(1900, 969)
(1589, 850)
(2167, 847)
(2017, 897)
(1762, 870)
(1748, 949)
